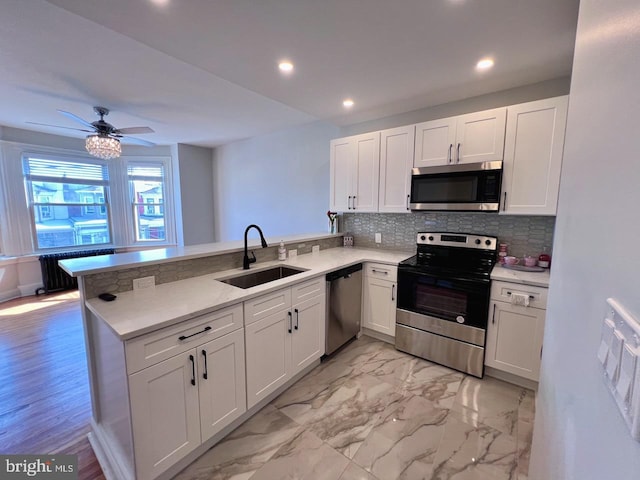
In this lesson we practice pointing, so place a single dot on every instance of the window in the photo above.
(68, 201)
(147, 191)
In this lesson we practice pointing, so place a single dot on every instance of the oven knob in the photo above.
(460, 319)
(477, 241)
(423, 237)
(431, 238)
(487, 242)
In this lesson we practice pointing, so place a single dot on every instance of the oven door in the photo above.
(456, 300)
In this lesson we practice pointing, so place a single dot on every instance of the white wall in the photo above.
(279, 181)
(579, 433)
(513, 96)
(196, 193)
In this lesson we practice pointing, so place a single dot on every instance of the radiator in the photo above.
(54, 278)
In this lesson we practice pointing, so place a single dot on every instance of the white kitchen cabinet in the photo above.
(475, 137)
(380, 298)
(281, 343)
(186, 383)
(515, 332)
(221, 382)
(165, 414)
(354, 169)
(396, 161)
(533, 156)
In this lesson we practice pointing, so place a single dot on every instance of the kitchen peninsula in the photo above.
(167, 363)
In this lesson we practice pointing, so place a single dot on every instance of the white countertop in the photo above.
(104, 263)
(539, 279)
(138, 312)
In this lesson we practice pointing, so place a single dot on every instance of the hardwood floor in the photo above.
(45, 405)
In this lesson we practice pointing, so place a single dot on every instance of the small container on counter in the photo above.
(503, 252)
(282, 252)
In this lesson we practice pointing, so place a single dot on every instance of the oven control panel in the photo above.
(457, 240)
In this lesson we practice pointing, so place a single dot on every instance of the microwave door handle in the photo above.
(449, 159)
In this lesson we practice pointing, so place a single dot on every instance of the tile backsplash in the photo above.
(526, 235)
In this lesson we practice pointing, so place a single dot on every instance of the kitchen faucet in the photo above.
(246, 261)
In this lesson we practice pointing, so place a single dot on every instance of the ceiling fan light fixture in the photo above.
(103, 146)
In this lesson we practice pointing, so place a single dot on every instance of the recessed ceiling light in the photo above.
(485, 64)
(160, 3)
(285, 66)
(348, 103)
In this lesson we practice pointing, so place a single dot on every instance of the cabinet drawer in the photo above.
(502, 291)
(261, 307)
(382, 271)
(154, 347)
(309, 289)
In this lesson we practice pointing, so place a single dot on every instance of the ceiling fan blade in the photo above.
(133, 130)
(138, 141)
(76, 118)
(59, 126)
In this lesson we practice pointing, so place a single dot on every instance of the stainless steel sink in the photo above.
(258, 277)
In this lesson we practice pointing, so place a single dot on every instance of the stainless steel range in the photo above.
(443, 299)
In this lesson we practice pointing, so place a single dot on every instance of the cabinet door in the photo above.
(268, 352)
(533, 156)
(480, 136)
(164, 413)
(221, 383)
(434, 142)
(514, 339)
(366, 171)
(340, 165)
(307, 341)
(380, 305)
(396, 161)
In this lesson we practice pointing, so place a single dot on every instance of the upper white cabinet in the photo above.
(396, 161)
(533, 156)
(354, 167)
(475, 137)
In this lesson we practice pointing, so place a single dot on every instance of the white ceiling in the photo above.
(205, 72)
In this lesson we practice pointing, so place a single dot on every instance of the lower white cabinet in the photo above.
(178, 403)
(380, 298)
(515, 332)
(282, 343)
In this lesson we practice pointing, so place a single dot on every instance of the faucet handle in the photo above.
(252, 259)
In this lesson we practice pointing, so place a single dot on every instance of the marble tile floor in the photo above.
(374, 413)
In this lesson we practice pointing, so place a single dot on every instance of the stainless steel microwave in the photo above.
(461, 187)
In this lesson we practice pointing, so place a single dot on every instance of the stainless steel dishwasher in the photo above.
(344, 306)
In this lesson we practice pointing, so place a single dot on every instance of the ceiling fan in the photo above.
(104, 138)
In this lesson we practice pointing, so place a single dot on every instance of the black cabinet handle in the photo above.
(193, 369)
(530, 296)
(297, 317)
(184, 337)
(408, 202)
(349, 202)
(449, 159)
(493, 319)
(458, 155)
(206, 369)
(393, 291)
(504, 205)
(354, 202)
(290, 322)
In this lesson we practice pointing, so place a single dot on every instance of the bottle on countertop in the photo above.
(544, 260)
(282, 252)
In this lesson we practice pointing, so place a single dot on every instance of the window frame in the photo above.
(29, 178)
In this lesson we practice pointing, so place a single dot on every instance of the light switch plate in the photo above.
(144, 282)
(315, 249)
(378, 238)
(293, 254)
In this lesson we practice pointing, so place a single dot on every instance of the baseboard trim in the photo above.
(511, 378)
(29, 289)
(10, 295)
(112, 468)
(379, 336)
